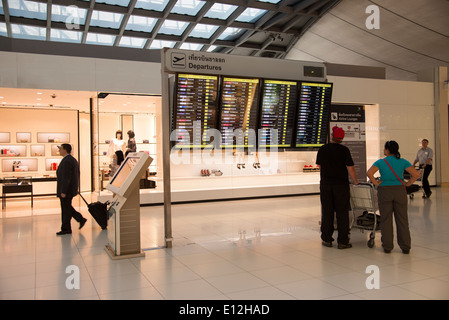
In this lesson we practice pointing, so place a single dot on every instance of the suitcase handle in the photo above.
(83, 198)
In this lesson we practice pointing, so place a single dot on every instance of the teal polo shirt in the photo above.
(386, 175)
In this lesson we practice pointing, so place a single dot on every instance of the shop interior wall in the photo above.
(36, 121)
(143, 125)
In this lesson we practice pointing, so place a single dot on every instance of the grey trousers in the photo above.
(393, 202)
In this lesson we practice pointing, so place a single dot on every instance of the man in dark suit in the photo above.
(68, 174)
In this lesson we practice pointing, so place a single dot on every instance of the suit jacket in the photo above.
(68, 174)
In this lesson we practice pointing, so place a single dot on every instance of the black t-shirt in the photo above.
(333, 159)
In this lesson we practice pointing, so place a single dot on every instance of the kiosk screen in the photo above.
(124, 171)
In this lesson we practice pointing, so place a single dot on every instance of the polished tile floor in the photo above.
(248, 249)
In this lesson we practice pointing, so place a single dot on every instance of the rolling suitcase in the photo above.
(99, 212)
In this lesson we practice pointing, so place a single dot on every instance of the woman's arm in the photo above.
(370, 173)
(414, 175)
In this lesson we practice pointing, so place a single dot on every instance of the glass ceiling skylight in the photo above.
(206, 25)
(28, 32)
(156, 5)
(189, 7)
(173, 27)
(101, 39)
(132, 42)
(251, 15)
(27, 9)
(203, 31)
(159, 44)
(71, 15)
(220, 11)
(123, 3)
(3, 31)
(137, 23)
(270, 1)
(230, 34)
(65, 35)
(191, 46)
(106, 19)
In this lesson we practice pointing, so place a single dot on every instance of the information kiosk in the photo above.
(124, 211)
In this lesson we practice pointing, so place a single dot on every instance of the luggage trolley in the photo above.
(364, 197)
(415, 187)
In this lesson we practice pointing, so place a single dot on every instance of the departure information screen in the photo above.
(239, 110)
(313, 114)
(279, 101)
(195, 109)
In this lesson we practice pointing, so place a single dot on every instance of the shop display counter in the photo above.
(16, 186)
(188, 189)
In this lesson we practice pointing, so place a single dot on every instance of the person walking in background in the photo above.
(424, 157)
(392, 196)
(335, 162)
(68, 174)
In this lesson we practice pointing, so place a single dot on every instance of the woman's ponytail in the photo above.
(393, 147)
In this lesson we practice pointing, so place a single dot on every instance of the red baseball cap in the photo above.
(338, 133)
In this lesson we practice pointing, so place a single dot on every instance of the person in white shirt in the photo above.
(424, 157)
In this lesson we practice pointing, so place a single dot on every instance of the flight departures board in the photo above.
(277, 118)
(239, 109)
(196, 108)
(313, 114)
(250, 112)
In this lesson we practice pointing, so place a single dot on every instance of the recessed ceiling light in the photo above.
(39, 93)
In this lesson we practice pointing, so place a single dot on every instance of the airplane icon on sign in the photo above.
(178, 60)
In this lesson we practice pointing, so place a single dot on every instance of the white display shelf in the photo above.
(23, 137)
(24, 166)
(5, 137)
(37, 150)
(53, 137)
(191, 189)
(14, 150)
(50, 161)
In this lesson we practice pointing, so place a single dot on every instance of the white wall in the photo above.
(396, 110)
(27, 70)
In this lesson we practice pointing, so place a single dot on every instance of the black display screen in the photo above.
(279, 101)
(312, 124)
(195, 108)
(239, 110)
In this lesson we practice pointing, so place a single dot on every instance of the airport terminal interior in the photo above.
(228, 104)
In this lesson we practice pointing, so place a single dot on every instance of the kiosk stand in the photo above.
(124, 211)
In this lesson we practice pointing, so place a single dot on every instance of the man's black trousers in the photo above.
(67, 213)
(335, 199)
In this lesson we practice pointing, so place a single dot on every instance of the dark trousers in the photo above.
(425, 179)
(335, 199)
(67, 213)
(393, 204)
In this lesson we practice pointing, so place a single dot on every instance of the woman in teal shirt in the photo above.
(392, 195)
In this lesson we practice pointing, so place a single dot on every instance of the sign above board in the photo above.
(176, 60)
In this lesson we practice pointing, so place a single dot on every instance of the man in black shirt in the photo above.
(335, 163)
